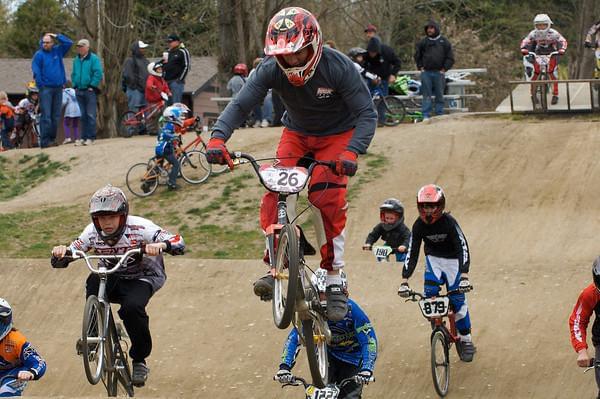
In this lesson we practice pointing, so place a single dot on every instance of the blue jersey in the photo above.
(353, 340)
(166, 137)
(17, 354)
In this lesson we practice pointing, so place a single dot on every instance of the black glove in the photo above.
(61, 263)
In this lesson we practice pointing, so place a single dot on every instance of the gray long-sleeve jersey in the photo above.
(334, 100)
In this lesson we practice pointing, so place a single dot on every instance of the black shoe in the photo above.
(337, 302)
(139, 375)
(554, 100)
(263, 287)
(466, 351)
(173, 187)
(79, 347)
(145, 188)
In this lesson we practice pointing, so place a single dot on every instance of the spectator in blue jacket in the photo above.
(86, 77)
(351, 353)
(49, 74)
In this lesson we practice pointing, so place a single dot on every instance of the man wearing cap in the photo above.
(49, 74)
(382, 61)
(176, 66)
(370, 31)
(86, 77)
(134, 78)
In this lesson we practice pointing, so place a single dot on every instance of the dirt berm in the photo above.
(526, 194)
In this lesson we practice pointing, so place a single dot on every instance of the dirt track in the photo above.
(526, 195)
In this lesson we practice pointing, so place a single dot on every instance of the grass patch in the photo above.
(368, 170)
(17, 177)
(221, 222)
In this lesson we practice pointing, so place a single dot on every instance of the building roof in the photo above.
(16, 72)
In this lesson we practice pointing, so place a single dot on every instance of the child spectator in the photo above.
(168, 139)
(157, 90)
(237, 81)
(19, 361)
(72, 116)
(391, 229)
(8, 121)
(263, 113)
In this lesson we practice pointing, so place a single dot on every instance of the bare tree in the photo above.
(108, 23)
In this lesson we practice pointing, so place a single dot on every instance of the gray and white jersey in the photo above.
(137, 231)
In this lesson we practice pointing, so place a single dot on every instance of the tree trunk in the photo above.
(582, 64)
(115, 39)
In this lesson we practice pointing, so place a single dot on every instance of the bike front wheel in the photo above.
(394, 111)
(286, 277)
(142, 179)
(195, 169)
(316, 352)
(440, 363)
(92, 340)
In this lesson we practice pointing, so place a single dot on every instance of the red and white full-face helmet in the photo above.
(289, 31)
(431, 202)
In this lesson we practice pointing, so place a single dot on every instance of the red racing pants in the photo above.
(326, 190)
(552, 73)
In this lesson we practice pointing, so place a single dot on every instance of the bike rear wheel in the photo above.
(92, 338)
(286, 277)
(119, 374)
(394, 111)
(195, 169)
(440, 363)
(142, 178)
(316, 352)
(129, 124)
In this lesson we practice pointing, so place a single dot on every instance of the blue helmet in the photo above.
(5, 318)
(174, 114)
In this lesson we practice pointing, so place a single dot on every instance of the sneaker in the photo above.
(263, 287)
(79, 142)
(264, 123)
(426, 120)
(256, 124)
(554, 100)
(67, 141)
(139, 374)
(89, 142)
(79, 347)
(466, 350)
(145, 188)
(173, 187)
(337, 302)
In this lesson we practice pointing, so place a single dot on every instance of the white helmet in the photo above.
(319, 280)
(153, 68)
(542, 19)
(5, 318)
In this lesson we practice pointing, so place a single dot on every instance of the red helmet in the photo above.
(289, 31)
(240, 69)
(433, 196)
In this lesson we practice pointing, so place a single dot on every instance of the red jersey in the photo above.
(154, 86)
(587, 303)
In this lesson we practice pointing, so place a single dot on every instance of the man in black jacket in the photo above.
(134, 77)
(383, 62)
(433, 57)
(176, 66)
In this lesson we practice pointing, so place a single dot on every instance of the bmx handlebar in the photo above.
(77, 254)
